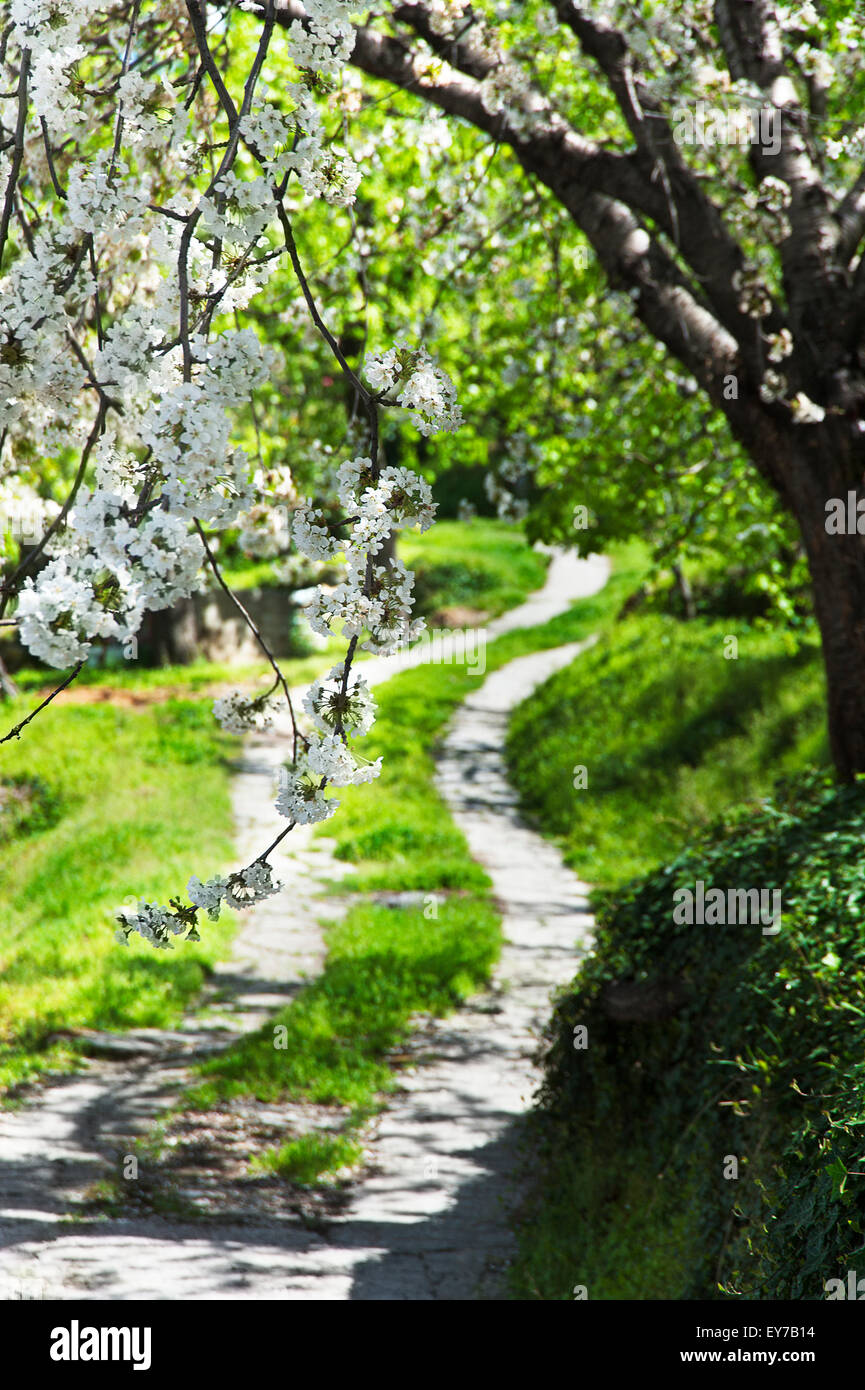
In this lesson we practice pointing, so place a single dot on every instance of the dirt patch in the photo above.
(134, 699)
(201, 1168)
(458, 617)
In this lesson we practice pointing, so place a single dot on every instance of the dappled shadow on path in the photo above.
(425, 1244)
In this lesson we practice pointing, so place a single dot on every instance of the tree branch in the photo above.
(16, 732)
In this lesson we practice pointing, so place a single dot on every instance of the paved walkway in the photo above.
(428, 1220)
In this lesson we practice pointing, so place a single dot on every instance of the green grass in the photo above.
(138, 801)
(669, 732)
(481, 564)
(383, 965)
(307, 1159)
(601, 1221)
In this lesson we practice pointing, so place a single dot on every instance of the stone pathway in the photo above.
(427, 1221)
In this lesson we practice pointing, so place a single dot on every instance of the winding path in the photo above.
(428, 1219)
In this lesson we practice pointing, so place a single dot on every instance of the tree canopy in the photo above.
(259, 258)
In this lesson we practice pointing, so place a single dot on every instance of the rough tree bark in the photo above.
(826, 466)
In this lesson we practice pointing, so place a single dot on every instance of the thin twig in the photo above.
(270, 848)
(50, 159)
(16, 732)
(254, 629)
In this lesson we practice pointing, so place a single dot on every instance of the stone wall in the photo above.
(209, 626)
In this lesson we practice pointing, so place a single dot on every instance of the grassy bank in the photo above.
(102, 803)
(711, 1148)
(669, 731)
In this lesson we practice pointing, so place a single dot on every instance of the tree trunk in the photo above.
(685, 591)
(169, 636)
(824, 464)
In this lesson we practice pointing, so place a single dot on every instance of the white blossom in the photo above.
(331, 758)
(301, 799)
(330, 707)
(239, 713)
(806, 411)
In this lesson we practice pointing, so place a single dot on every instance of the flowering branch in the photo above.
(138, 221)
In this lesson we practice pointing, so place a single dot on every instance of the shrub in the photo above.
(761, 1055)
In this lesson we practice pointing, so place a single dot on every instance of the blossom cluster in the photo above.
(419, 384)
(157, 924)
(239, 713)
(324, 43)
(373, 598)
(105, 574)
